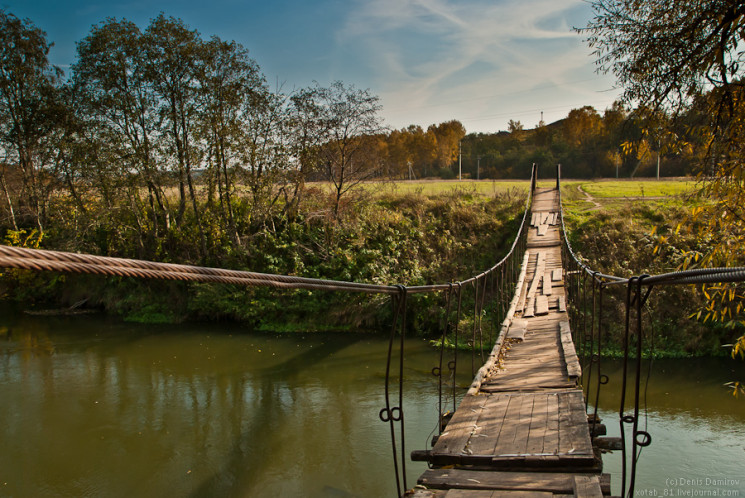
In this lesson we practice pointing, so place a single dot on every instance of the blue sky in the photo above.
(482, 62)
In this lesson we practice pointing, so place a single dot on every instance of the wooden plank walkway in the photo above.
(522, 430)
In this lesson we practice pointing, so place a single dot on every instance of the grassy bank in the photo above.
(409, 237)
(631, 228)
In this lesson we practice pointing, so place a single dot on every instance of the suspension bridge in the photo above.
(528, 424)
(522, 426)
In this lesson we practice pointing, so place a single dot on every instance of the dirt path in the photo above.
(589, 198)
(597, 205)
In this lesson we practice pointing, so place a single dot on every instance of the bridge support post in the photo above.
(533, 178)
(558, 175)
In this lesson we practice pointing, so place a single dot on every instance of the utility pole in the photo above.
(460, 159)
(659, 144)
(478, 167)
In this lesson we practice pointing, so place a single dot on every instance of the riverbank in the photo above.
(634, 228)
(410, 238)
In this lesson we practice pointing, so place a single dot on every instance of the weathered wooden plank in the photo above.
(551, 439)
(517, 329)
(527, 386)
(529, 309)
(486, 434)
(523, 429)
(556, 275)
(574, 435)
(524, 289)
(538, 425)
(556, 483)
(587, 486)
(540, 268)
(458, 431)
(579, 431)
(574, 369)
(608, 442)
(544, 243)
(506, 441)
(542, 230)
(550, 376)
(541, 305)
(547, 284)
(564, 442)
(562, 304)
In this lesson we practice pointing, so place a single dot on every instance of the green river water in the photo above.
(95, 407)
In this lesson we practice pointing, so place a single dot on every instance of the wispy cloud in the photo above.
(421, 52)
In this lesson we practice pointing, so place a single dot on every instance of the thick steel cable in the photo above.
(40, 259)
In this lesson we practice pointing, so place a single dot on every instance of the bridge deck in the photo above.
(524, 430)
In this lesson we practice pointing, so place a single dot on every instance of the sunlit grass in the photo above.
(482, 187)
(487, 188)
(637, 188)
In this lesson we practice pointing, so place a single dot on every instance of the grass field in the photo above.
(437, 187)
(604, 192)
(593, 194)
(636, 188)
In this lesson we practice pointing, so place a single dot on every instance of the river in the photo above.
(92, 406)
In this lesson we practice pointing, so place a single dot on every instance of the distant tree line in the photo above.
(620, 142)
(159, 136)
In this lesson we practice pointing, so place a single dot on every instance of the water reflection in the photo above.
(113, 410)
(697, 428)
(692, 387)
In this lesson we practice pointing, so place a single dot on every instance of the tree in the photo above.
(582, 126)
(343, 122)
(268, 171)
(686, 58)
(514, 126)
(122, 106)
(410, 151)
(171, 60)
(29, 111)
(447, 137)
(228, 81)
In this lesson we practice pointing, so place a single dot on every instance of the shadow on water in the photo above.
(253, 450)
